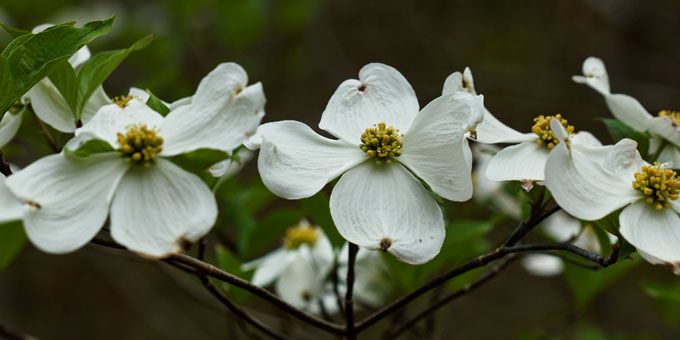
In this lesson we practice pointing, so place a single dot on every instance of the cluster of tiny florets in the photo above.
(299, 235)
(382, 142)
(140, 145)
(122, 101)
(659, 185)
(673, 116)
(542, 129)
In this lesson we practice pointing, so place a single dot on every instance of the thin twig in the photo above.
(434, 306)
(525, 227)
(349, 297)
(4, 167)
(48, 137)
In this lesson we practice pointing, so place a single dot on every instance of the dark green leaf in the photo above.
(269, 231)
(200, 160)
(31, 57)
(156, 104)
(90, 147)
(228, 262)
(610, 223)
(586, 284)
(93, 72)
(14, 32)
(667, 297)
(12, 240)
(64, 79)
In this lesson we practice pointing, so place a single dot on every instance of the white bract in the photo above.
(593, 182)
(487, 191)
(10, 123)
(524, 161)
(385, 146)
(664, 128)
(299, 268)
(371, 281)
(153, 204)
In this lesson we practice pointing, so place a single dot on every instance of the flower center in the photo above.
(122, 101)
(673, 116)
(542, 129)
(382, 142)
(658, 184)
(140, 145)
(299, 235)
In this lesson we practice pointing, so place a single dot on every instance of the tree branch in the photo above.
(4, 167)
(349, 302)
(486, 277)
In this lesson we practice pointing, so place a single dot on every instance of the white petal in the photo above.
(231, 167)
(11, 208)
(582, 187)
(623, 159)
(453, 84)
(543, 265)
(179, 102)
(9, 125)
(670, 154)
(269, 268)
(665, 128)
(655, 232)
(374, 203)
(280, 128)
(300, 284)
(433, 148)
(222, 113)
(585, 138)
(595, 75)
(381, 94)
(156, 209)
(138, 93)
(524, 161)
(73, 195)
(628, 110)
(561, 227)
(111, 120)
(98, 100)
(50, 106)
(560, 132)
(295, 162)
(492, 131)
(323, 252)
(80, 57)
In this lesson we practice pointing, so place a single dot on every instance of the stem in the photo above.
(207, 269)
(525, 227)
(4, 167)
(48, 137)
(349, 303)
(434, 306)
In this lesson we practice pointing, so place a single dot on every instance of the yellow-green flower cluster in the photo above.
(658, 184)
(140, 145)
(298, 235)
(542, 129)
(382, 142)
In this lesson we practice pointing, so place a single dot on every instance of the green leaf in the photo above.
(93, 72)
(156, 104)
(12, 240)
(610, 223)
(90, 147)
(31, 57)
(586, 284)
(200, 160)
(618, 130)
(228, 262)
(64, 79)
(14, 32)
(269, 230)
(667, 296)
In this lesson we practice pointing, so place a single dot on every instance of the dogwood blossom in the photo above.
(299, 268)
(385, 146)
(524, 161)
(591, 183)
(154, 205)
(664, 128)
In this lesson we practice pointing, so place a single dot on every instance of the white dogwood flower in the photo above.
(385, 146)
(153, 204)
(664, 128)
(299, 268)
(524, 161)
(590, 183)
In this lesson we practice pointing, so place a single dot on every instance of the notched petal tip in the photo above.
(560, 132)
(385, 244)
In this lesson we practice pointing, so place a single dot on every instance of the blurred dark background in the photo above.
(522, 54)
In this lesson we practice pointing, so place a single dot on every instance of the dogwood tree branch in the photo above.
(349, 302)
(433, 307)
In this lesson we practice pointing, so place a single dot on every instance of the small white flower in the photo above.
(591, 183)
(524, 161)
(385, 145)
(666, 126)
(299, 268)
(10, 123)
(154, 205)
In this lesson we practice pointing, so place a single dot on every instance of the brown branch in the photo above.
(349, 298)
(4, 166)
(486, 277)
